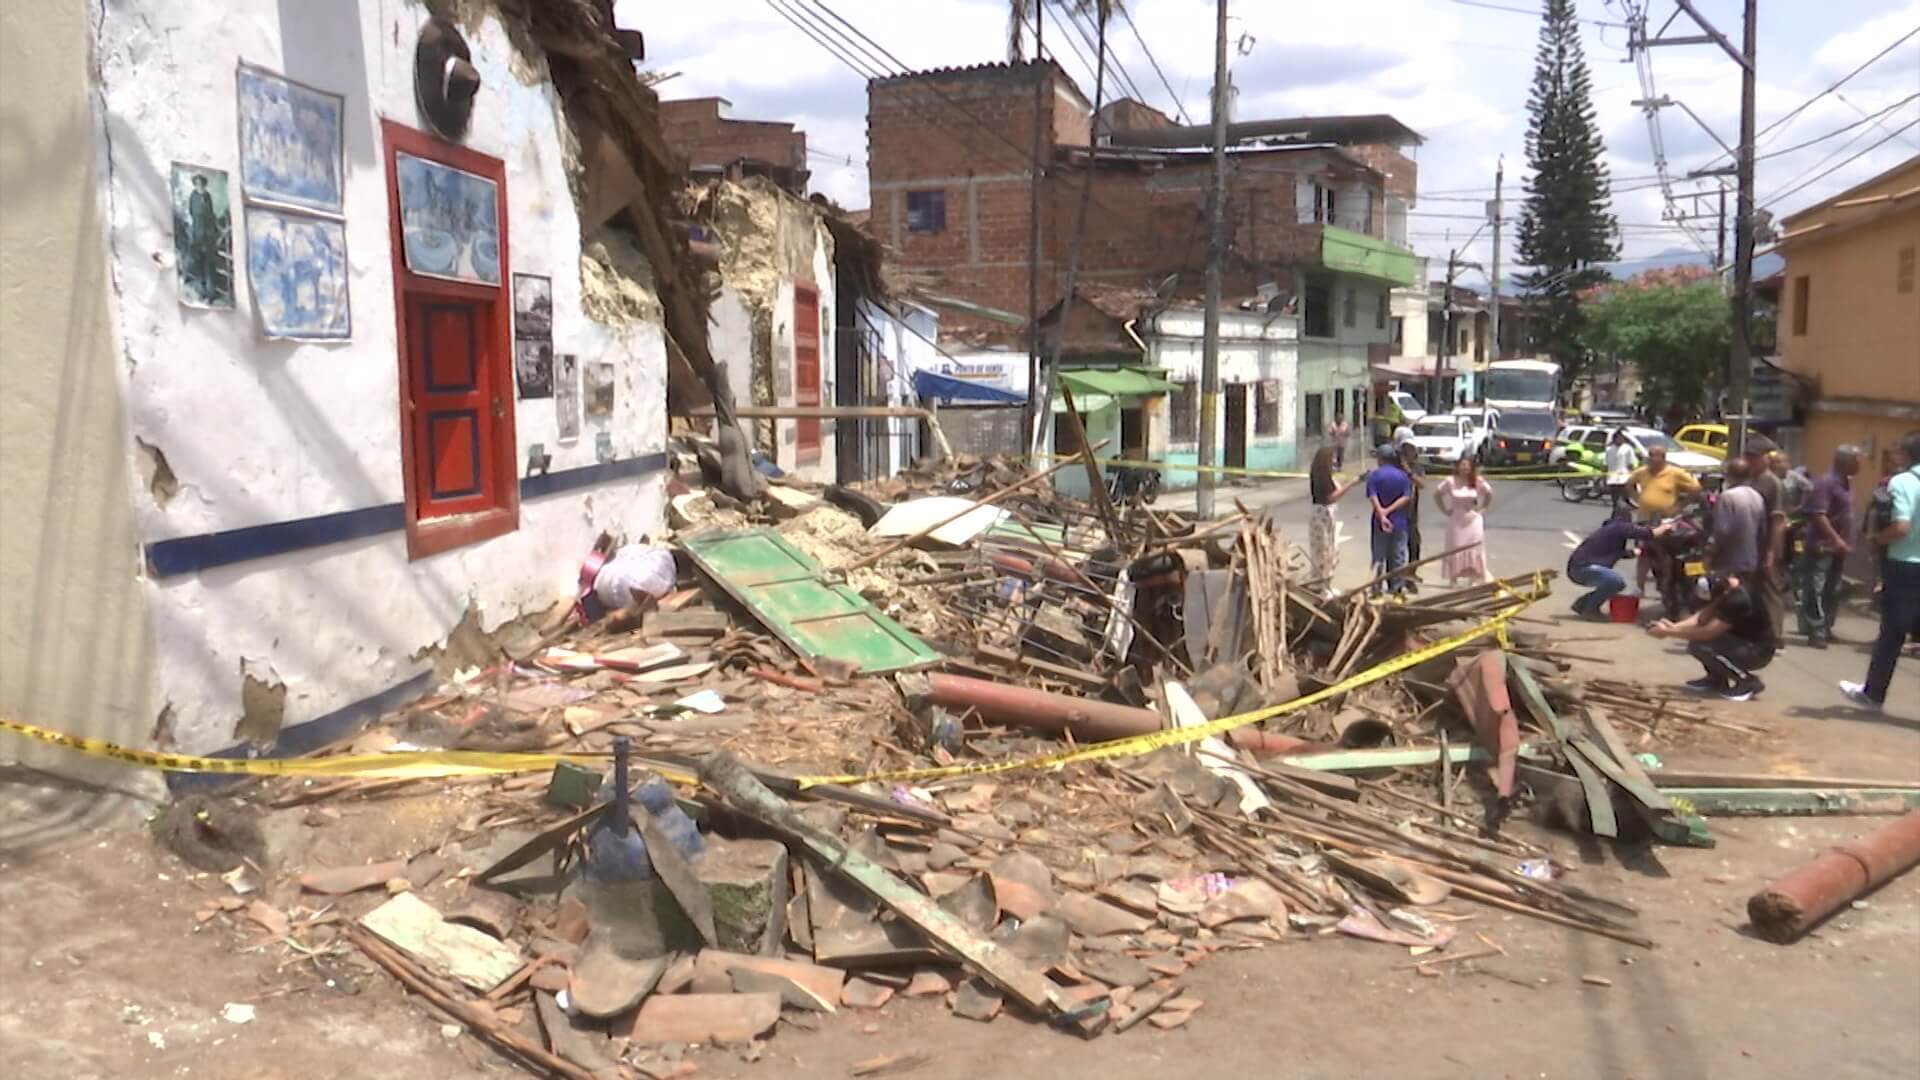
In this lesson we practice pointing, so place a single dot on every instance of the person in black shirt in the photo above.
(1410, 464)
(1732, 637)
(1326, 490)
(1591, 563)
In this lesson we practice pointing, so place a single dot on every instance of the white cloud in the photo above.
(1458, 74)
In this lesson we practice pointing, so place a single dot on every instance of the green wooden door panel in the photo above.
(789, 593)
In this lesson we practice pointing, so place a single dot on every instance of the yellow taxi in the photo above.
(1709, 439)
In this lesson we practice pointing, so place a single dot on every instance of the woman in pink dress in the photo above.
(1465, 497)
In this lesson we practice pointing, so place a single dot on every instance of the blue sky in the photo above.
(1456, 71)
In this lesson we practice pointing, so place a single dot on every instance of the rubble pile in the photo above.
(842, 750)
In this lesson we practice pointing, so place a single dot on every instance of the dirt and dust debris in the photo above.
(616, 281)
(160, 478)
(263, 702)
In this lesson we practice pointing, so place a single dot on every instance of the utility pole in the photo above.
(1040, 81)
(1216, 252)
(1493, 278)
(1720, 249)
(1743, 239)
(1740, 358)
(1445, 355)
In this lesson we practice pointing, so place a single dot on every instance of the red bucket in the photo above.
(1624, 609)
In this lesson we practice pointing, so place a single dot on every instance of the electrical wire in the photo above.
(1080, 18)
(1180, 109)
(835, 51)
(1870, 119)
(1532, 12)
(1889, 137)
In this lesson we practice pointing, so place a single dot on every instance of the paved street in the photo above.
(1527, 530)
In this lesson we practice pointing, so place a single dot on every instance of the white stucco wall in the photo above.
(1253, 348)
(260, 431)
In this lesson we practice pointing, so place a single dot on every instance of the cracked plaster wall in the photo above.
(258, 431)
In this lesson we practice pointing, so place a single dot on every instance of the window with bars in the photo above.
(1182, 406)
(1266, 407)
(1316, 414)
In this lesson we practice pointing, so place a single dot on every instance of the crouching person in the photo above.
(1732, 637)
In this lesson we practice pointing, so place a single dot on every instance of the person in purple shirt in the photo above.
(1829, 540)
(1389, 490)
(1591, 563)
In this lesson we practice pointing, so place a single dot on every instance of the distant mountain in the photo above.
(1626, 268)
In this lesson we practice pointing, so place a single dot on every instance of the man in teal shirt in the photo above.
(1900, 597)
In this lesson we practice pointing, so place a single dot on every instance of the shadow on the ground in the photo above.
(1849, 712)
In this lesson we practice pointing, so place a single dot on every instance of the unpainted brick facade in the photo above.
(962, 140)
(698, 131)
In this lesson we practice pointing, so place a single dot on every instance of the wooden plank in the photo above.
(1599, 799)
(1795, 801)
(1003, 969)
(1690, 778)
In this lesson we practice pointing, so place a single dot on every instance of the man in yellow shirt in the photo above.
(1659, 488)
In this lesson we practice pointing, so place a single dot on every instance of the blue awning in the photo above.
(932, 384)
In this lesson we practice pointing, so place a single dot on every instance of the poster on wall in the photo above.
(451, 219)
(297, 268)
(533, 367)
(532, 307)
(290, 143)
(566, 395)
(599, 390)
(202, 236)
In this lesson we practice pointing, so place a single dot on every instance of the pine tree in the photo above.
(1566, 225)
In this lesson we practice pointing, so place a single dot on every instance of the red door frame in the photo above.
(806, 387)
(432, 535)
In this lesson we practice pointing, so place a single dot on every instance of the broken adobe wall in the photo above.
(773, 248)
(277, 436)
(76, 653)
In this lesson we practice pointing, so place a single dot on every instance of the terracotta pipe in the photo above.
(1793, 904)
(1039, 710)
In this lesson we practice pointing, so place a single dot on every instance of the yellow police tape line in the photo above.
(1141, 744)
(390, 765)
(1282, 474)
(433, 764)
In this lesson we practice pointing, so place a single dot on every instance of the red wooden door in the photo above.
(806, 371)
(454, 404)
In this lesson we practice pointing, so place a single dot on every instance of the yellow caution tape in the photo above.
(1283, 474)
(1157, 740)
(433, 764)
(391, 765)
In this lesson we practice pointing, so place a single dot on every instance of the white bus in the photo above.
(1520, 384)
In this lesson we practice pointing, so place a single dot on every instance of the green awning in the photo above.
(1115, 382)
(1358, 253)
(1088, 404)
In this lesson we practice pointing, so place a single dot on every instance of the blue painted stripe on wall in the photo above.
(310, 736)
(186, 554)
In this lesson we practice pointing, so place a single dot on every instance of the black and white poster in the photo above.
(566, 395)
(533, 367)
(533, 335)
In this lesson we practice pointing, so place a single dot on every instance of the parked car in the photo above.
(1409, 406)
(1646, 438)
(1581, 444)
(1709, 439)
(1445, 438)
(1522, 437)
(1610, 418)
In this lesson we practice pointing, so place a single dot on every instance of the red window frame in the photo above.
(432, 533)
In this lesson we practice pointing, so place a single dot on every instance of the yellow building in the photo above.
(1850, 317)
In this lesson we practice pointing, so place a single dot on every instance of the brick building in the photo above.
(1315, 211)
(714, 144)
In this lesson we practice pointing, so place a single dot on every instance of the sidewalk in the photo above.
(1270, 495)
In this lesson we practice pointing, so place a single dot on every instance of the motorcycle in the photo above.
(1678, 559)
(1131, 484)
(1588, 482)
